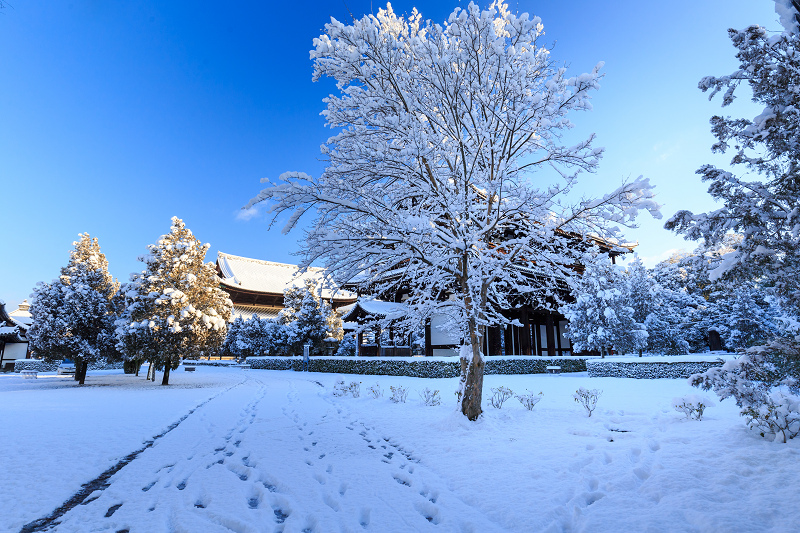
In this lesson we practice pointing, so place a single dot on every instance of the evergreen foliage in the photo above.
(73, 316)
(175, 307)
(306, 318)
(601, 316)
(765, 210)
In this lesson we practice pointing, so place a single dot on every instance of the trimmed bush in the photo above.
(647, 370)
(417, 367)
(40, 365)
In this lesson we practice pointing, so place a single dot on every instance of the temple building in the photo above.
(256, 287)
(13, 327)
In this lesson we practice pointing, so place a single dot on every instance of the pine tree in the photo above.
(73, 316)
(306, 318)
(601, 317)
(175, 306)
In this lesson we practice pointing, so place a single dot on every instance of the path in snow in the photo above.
(283, 457)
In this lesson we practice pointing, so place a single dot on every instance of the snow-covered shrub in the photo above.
(529, 399)
(778, 418)
(645, 368)
(347, 347)
(499, 396)
(417, 367)
(375, 391)
(399, 394)
(430, 397)
(354, 389)
(587, 398)
(692, 405)
(339, 388)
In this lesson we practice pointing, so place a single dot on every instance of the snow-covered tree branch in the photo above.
(435, 172)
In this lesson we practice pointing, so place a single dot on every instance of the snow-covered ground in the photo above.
(277, 451)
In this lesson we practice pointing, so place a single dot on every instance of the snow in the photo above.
(708, 357)
(275, 450)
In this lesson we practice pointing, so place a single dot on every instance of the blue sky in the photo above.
(116, 116)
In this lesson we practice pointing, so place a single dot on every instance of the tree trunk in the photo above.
(165, 380)
(149, 370)
(472, 364)
(80, 372)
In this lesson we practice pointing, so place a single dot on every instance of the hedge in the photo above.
(648, 370)
(417, 367)
(40, 365)
(212, 362)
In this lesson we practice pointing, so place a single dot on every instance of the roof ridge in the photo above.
(265, 262)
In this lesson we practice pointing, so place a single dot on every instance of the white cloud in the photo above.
(247, 214)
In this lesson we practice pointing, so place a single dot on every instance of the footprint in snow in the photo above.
(112, 510)
(363, 517)
(402, 479)
(429, 511)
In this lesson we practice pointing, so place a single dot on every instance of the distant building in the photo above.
(13, 328)
(256, 287)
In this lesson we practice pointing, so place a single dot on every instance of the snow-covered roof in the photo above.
(247, 311)
(269, 277)
(377, 308)
(22, 316)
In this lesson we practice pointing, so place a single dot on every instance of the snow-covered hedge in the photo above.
(678, 367)
(40, 365)
(418, 367)
(206, 362)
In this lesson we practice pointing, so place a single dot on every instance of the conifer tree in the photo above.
(175, 306)
(73, 315)
(601, 317)
(306, 318)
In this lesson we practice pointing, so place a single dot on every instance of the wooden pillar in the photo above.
(551, 338)
(359, 342)
(525, 333)
(428, 347)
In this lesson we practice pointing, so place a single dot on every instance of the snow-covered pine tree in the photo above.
(642, 292)
(175, 306)
(253, 337)
(741, 315)
(671, 322)
(430, 175)
(73, 316)
(601, 317)
(765, 209)
(307, 318)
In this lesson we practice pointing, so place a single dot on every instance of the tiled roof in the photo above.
(377, 308)
(267, 276)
